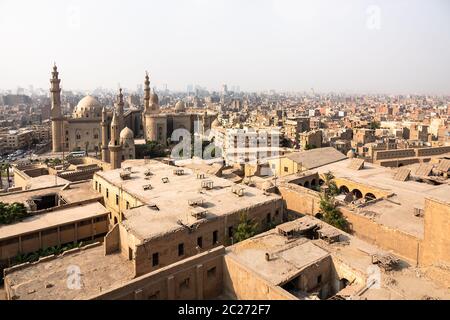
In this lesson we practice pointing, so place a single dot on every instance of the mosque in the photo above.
(93, 127)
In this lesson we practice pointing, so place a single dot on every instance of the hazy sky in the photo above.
(391, 46)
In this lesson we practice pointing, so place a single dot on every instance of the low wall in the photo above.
(242, 283)
(198, 277)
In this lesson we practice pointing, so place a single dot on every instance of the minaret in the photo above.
(104, 124)
(56, 114)
(115, 148)
(146, 92)
(120, 106)
(146, 103)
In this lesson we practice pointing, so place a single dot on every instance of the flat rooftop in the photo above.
(316, 157)
(52, 219)
(398, 211)
(47, 280)
(291, 256)
(172, 198)
(78, 191)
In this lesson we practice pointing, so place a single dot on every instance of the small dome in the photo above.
(126, 133)
(154, 98)
(180, 106)
(215, 123)
(267, 185)
(351, 154)
(88, 107)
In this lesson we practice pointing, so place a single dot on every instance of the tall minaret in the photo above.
(146, 92)
(146, 103)
(105, 150)
(120, 106)
(115, 148)
(56, 113)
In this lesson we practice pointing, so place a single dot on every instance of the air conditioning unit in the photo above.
(238, 190)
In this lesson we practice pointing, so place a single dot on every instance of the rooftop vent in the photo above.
(148, 173)
(198, 213)
(238, 190)
(200, 176)
(125, 175)
(418, 212)
(165, 180)
(147, 187)
(196, 202)
(207, 184)
(178, 172)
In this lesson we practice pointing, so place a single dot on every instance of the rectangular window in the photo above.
(128, 205)
(319, 279)
(107, 193)
(215, 237)
(96, 185)
(117, 199)
(100, 187)
(268, 218)
(211, 272)
(155, 259)
(230, 232)
(200, 242)
(286, 169)
(184, 284)
(181, 249)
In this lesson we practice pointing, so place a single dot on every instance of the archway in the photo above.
(313, 183)
(357, 194)
(321, 182)
(343, 190)
(370, 196)
(306, 185)
(318, 215)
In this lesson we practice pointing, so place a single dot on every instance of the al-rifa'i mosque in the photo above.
(93, 127)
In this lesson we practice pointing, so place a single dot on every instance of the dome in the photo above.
(180, 106)
(88, 107)
(126, 133)
(215, 123)
(351, 154)
(154, 98)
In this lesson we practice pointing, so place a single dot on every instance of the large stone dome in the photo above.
(88, 107)
(126, 133)
(180, 106)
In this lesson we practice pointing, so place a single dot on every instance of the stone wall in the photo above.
(199, 277)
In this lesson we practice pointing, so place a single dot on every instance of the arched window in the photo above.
(306, 185)
(343, 190)
(370, 196)
(313, 183)
(357, 194)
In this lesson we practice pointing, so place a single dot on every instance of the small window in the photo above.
(200, 242)
(277, 212)
(117, 199)
(230, 231)
(268, 218)
(128, 205)
(319, 279)
(155, 259)
(286, 169)
(100, 187)
(215, 237)
(211, 272)
(96, 185)
(181, 249)
(184, 284)
(107, 193)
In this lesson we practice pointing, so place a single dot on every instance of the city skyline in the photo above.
(380, 47)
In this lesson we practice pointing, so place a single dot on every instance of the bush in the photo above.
(10, 213)
(246, 228)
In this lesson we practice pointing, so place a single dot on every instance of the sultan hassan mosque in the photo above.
(93, 127)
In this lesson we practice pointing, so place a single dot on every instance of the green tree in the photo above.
(10, 213)
(374, 125)
(246, 228)
(330, 184)
(310, 147)
(331, 213)
(151, 149)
